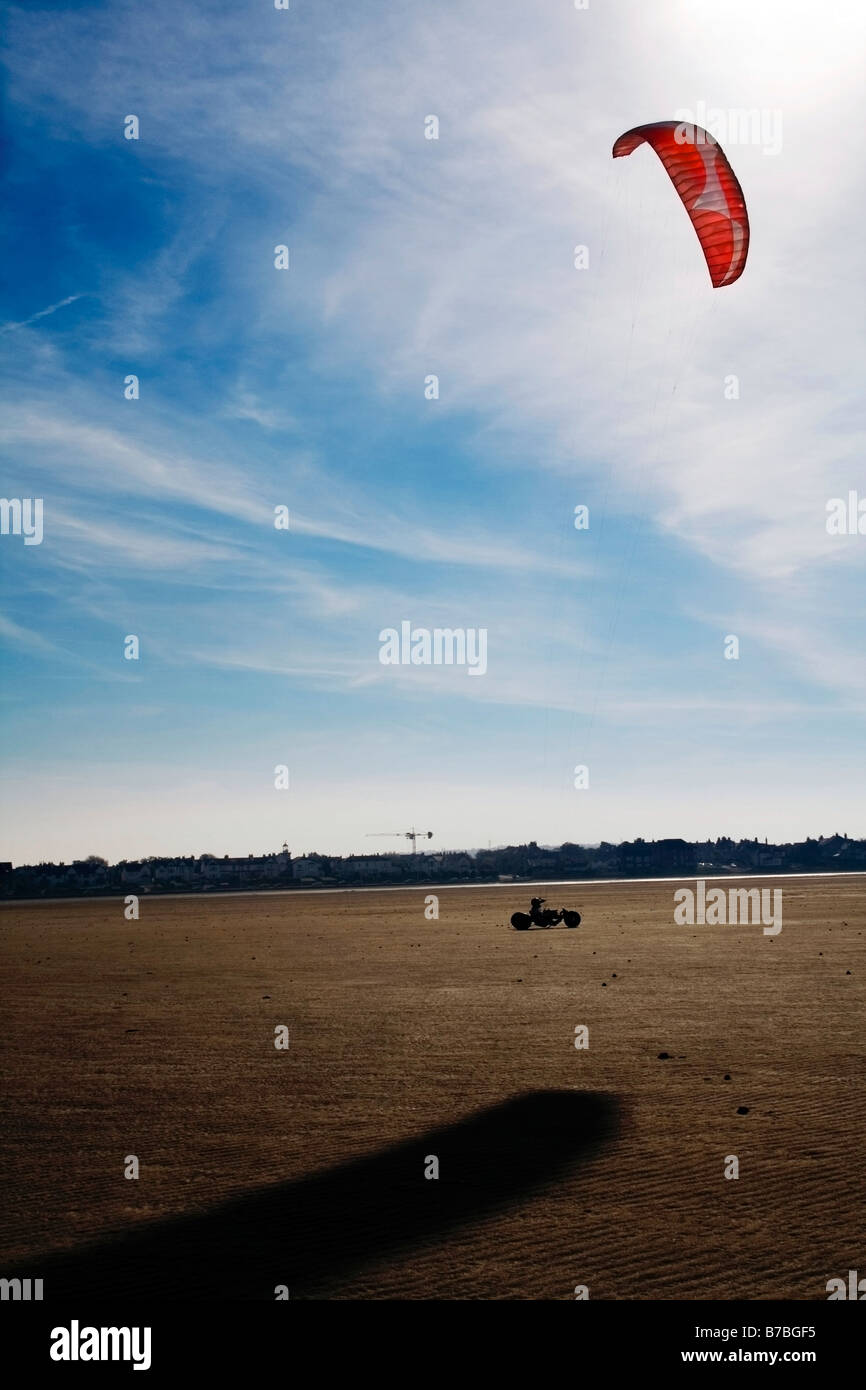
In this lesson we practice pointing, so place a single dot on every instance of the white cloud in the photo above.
(41, 314)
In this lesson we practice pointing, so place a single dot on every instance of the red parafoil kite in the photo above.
(708, 187)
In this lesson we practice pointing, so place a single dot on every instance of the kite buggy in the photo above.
(541, 916)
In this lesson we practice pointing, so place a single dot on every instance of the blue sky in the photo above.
(306, 388)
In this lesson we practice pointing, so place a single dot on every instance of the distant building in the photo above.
(359, 867)
(274, 866)
(311, 866)
(454, 863)
(572, 858)
(175, 871)
(135, 873)
(657, 857)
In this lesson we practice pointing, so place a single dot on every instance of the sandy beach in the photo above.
(559, 1166)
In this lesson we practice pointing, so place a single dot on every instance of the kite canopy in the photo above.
(708, 187)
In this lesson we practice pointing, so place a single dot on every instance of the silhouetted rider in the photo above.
(535, 911)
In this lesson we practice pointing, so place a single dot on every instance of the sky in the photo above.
(606, 386)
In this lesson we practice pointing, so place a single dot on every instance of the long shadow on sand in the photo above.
(306, 1234)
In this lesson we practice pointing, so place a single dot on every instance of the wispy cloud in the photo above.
(26, 638)
(41, 314)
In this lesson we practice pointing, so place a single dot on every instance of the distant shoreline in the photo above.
(516, 885)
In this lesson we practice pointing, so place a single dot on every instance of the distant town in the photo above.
(94, 876)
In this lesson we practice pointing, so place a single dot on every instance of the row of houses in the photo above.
(94, 875)
(633, 858)
(383, 868)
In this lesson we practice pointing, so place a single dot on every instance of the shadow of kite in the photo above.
(309, 1233)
